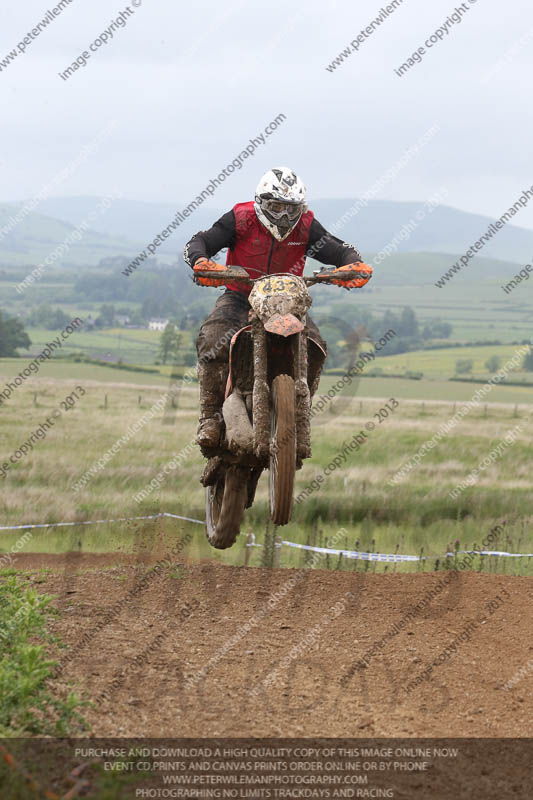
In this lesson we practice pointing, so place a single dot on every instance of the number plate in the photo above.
(275, 284)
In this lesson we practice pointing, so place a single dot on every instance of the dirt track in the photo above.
(184, 617)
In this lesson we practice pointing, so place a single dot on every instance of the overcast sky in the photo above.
(190, 83)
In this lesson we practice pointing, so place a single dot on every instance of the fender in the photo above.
(229, 384)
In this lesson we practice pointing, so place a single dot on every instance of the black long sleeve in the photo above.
(328, 249)
(205, 244)
(322, 245)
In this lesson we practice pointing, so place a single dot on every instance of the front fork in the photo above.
(303, 398)
(262, 398)
(261, 394)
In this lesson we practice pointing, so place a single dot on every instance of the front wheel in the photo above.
(282, 449)
(224, 507)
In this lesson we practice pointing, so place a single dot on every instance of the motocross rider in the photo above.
(270, 235)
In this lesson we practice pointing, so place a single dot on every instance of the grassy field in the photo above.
(476, 311)
(80, 339)
(426, 390)
(140, 347)
(417, 513)
(66, 370)
(132, 346)
(441, 363)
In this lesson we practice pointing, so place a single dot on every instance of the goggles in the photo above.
(278, 209)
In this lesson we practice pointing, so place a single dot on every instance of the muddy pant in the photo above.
(228, 316)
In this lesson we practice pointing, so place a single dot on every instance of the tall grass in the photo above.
(28, 707)
(418, 512)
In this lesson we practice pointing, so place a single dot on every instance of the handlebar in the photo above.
(324, 276)
(236, 274)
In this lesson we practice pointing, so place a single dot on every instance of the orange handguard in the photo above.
(204, 265)
(357, 283)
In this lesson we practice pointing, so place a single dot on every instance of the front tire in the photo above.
(282, 449)
(224, 508)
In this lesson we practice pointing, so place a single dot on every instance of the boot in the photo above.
(208, 434)
(212, 377)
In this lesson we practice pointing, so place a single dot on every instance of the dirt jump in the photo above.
(208, 650)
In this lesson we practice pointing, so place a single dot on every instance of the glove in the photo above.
(356, 283)
(218, 270)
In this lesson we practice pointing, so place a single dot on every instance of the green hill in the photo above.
(27, 239)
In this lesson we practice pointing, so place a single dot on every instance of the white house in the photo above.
(157, 324)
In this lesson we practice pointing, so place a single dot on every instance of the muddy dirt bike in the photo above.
(266, 413)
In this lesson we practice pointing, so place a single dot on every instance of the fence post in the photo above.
(105, 401)
(247, 546)
(277, 551)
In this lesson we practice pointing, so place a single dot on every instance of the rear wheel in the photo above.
(282, 449)
(224, 507)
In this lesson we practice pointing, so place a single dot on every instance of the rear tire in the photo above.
(282, 449)
(224, 508)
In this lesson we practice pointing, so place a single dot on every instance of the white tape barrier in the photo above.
(346, 553)
(389, 557)
(355, 553)
(501, 553)
(96, 522)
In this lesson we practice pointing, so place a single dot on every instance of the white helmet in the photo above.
(280, 201)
